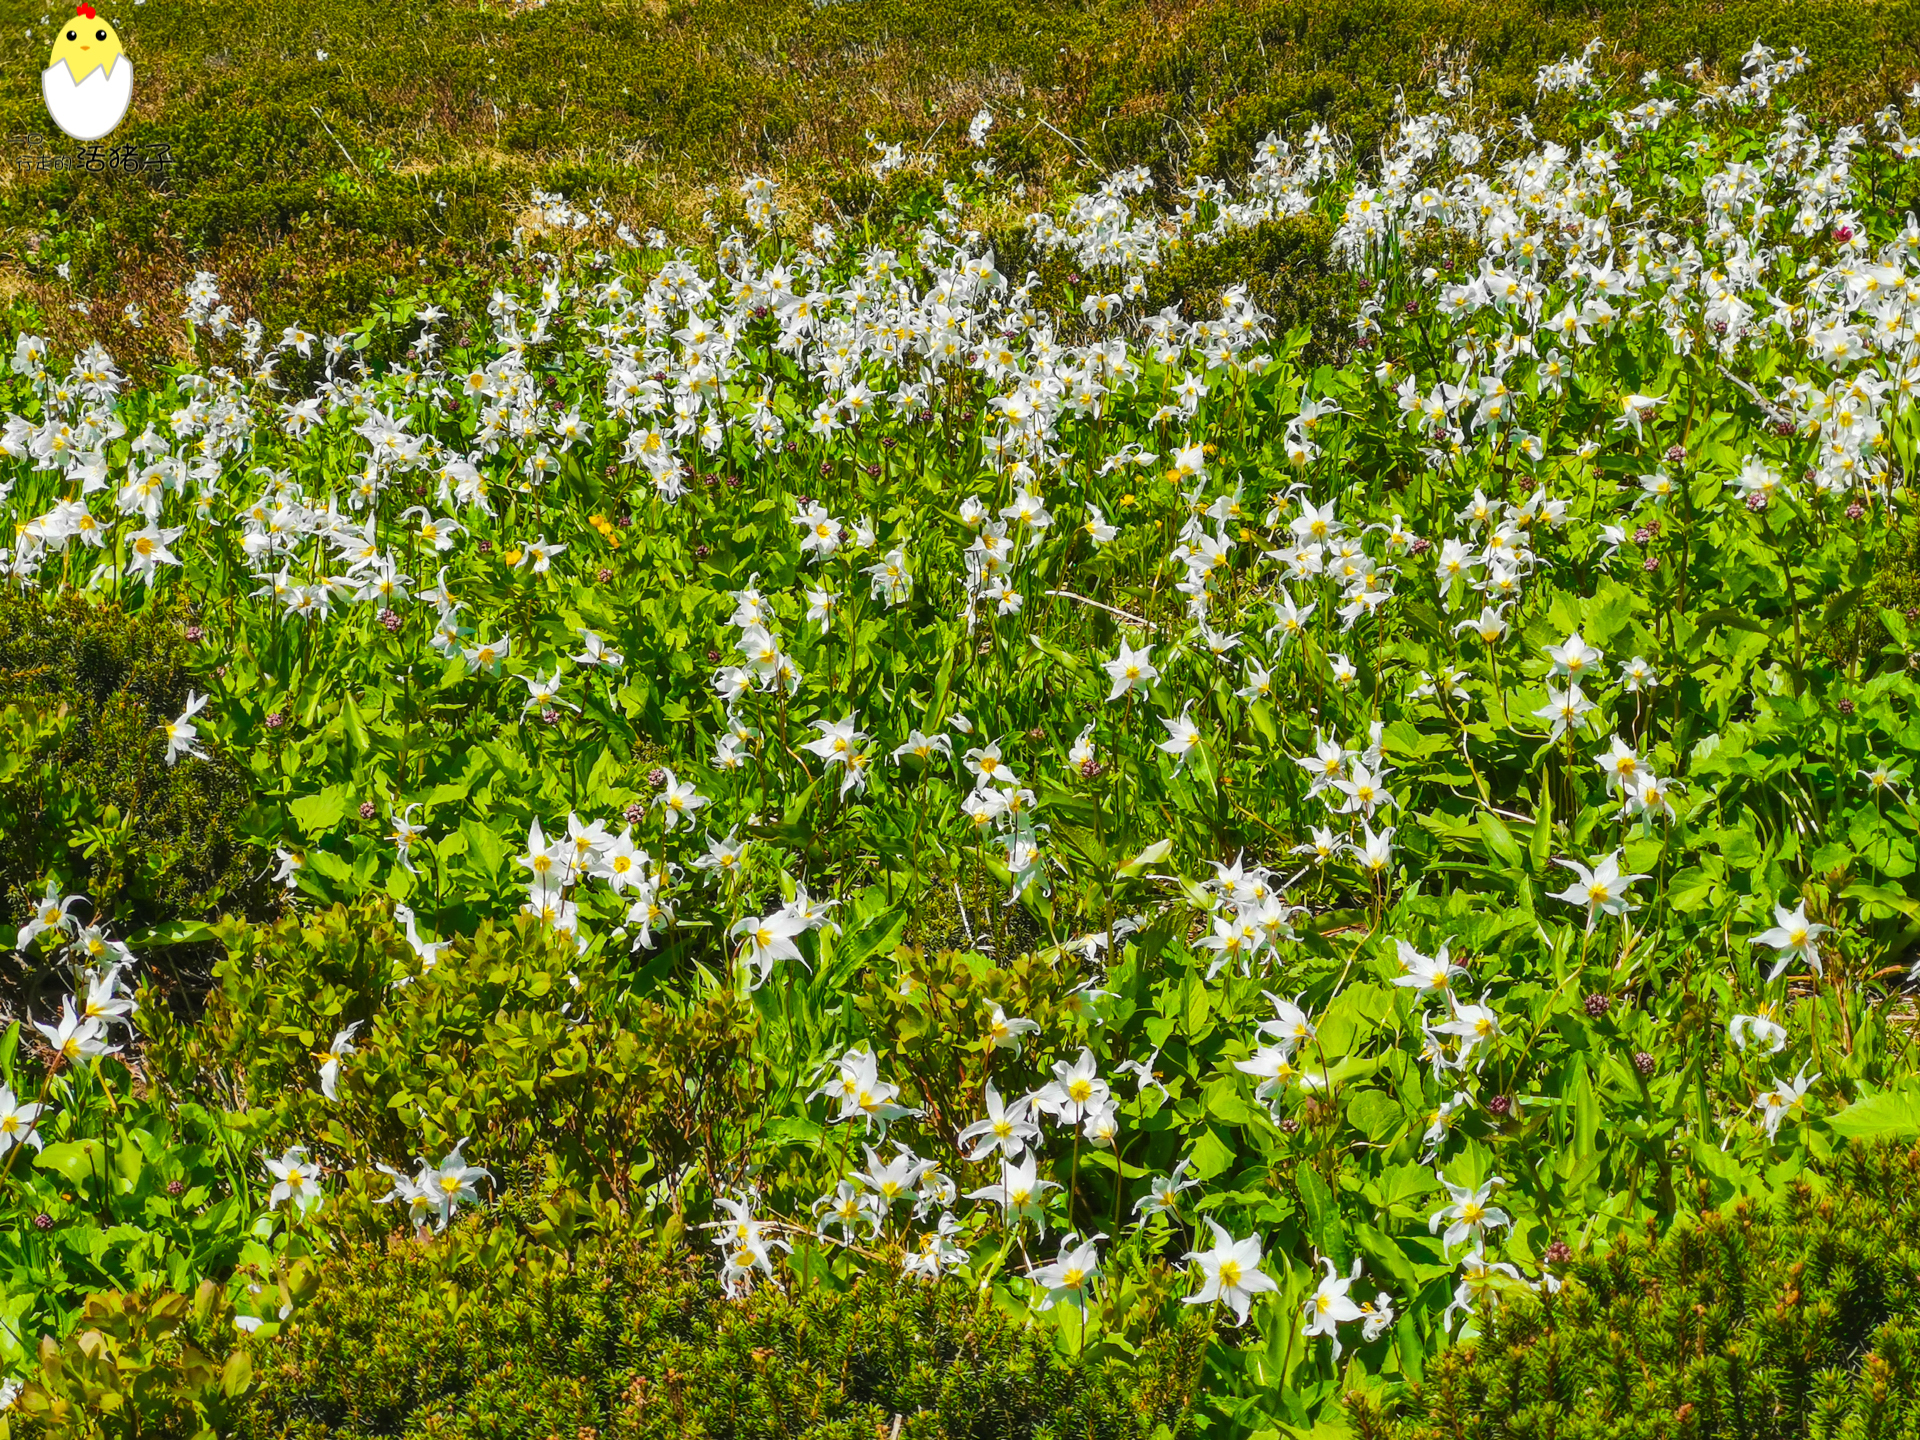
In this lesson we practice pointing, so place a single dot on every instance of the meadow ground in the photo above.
(939, 720)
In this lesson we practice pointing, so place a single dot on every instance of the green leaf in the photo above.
(1895, 1113)
(486, 847)
(317, 814)
(1053, 652)
(236, 1374)
(355, 726)
(1225, 1102)
(1374, 1114)
(1540, 846)
(1152, 855)
(1690, 889)
(334, 867)
(1498, 841)
(1322, 1215)
(174, 932)
(1211, 1155)
(77, 1160)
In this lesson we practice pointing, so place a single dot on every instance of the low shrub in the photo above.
(1796, 1320)
(86, 794)
(511, 1039)
(631, 1338)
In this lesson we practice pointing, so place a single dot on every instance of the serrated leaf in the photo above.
(1374, 1114)
(1878, 1117)
(319, 813)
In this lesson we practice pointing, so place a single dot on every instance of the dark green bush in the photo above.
(86, 793)
(1802, 1321)
(632, 1340)
(1204, 82)
(1286, 269)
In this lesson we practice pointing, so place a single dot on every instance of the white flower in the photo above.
(1230, 1273)
(1005, 1031)
(75, 1037)
(1068, 1277)
(1480, 1279)
(596, 653)
(1163, 1192)
(1792, 936)
(1006, 1128)
(1785, 1097)
(330, 1058)
(182, 734)
(1761, 1029)
(1182, 736)
(1131, 670)
(1603, 889)
(848, 1208)
(297, 1181)
(1468, 1214)
(1565, 709)
(51, 913)
(1376, 1317)
(18, 1121)
(894, 1179)
(1426, 972)
(1329, 1305)
(1019, 1192)
(746, 1249)
(1075, 1090)
(1574, 657)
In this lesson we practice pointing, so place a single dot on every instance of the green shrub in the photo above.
(512, 1040)
(138, 1366)
(86, 794)
(1204, 82)
(1802, 1321)
(633, 1339)
(1285, 268)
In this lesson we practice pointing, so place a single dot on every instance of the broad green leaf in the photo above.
(77, 1160)
(1892, 1114)
(1374, 1114)
(319, 813)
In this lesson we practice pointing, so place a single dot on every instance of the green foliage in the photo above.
(86, 795)
(631, 1341)
(137, 1366)
(1273, 923)
(1798, 1317)
(510, 1039)
(1232, 71)
(1283, 266)
(124, 1193)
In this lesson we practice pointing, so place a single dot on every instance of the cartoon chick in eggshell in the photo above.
(88, 80)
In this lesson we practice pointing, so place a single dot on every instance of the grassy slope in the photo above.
(307, 183)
